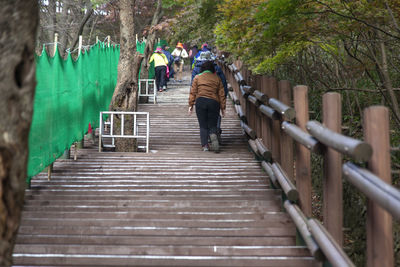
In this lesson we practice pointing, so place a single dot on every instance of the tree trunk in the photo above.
(151, 37)
(64, 34)
(387, 83)
(18, 22)
(79, 31)
(53, 24)
(125, 93)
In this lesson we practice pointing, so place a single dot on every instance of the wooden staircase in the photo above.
(176, 206)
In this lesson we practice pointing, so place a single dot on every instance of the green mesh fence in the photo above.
(69, 95)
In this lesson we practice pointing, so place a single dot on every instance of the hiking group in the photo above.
(208, 87)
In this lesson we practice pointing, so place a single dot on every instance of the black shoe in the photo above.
(214, 143)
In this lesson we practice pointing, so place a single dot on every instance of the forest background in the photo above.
(351, 47)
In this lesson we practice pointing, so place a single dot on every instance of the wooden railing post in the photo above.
(266, 130)
(379, 222)
(303, 155)
(332, 183)
(285, 96)
(258, 114)
(276, 126)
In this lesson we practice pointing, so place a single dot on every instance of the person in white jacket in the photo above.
(179, 54)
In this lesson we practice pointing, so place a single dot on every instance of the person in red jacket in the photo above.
(207, 93)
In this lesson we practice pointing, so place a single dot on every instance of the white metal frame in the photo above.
(122, 134)
(148, 84)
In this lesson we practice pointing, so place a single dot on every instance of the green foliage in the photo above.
(195, 21)
(329, 45)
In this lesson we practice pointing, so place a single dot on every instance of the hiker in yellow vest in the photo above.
(160, 65)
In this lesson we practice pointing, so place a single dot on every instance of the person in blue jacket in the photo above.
(170, 62)
(204, 48)
(208, 56)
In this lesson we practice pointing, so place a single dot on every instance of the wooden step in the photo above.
(175, 206)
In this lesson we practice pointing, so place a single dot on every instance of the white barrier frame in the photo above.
(122, 134)
(148, 81)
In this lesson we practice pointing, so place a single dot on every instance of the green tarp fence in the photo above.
(69, 95)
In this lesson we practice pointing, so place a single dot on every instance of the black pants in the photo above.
(207, 111)
(160, 76)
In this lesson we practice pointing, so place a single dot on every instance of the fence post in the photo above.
(379, 222)
(285, 96)
(276, 126)
(55, 44)
(303, 155)
(265, 124)
(80, 45)
(332, 183)
(258, 114)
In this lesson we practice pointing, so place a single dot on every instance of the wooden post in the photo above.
(276, 126)
(80, 45)
(108, 41)
(97, 39)
(303, 155)
(76, 151)
(332, 183)
(258, 114)
(379, 222)
(49, 171)
(55, 44)
(287, 163)
(266, 122)
(249, 106)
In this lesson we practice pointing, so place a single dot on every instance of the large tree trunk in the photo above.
(18, 23)
(151, 38)
(125, 94)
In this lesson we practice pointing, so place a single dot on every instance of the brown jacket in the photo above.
(209, 85)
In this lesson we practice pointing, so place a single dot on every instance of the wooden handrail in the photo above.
(302, 137)
(264, 152)
(326, 140)
(250, 132)
(330, 248)
(287, 186)
(301, 223)
(253, 100)
(243, 92)
(358, 150)
(387, 196)
(240, 113)
(268, 169)
(269, 112)
(263, 98)
(283, 109)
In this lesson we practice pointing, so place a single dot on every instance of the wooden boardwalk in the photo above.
(176, 206)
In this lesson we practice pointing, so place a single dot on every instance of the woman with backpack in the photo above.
(179, 54)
